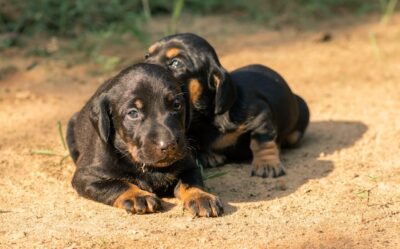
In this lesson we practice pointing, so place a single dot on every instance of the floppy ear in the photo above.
(99, 115)
(225, 90)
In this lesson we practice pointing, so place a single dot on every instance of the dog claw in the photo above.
(128, 205)
(205, 205)
(266, 171)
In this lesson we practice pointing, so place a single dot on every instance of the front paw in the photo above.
(211, 159)
(137, 201)
(268, 170)
(202, 204)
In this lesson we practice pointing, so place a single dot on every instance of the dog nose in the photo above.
(166, 146)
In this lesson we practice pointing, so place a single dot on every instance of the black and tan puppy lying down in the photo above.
(248, 113)
(128, 143)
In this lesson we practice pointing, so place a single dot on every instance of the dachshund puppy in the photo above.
(128, 143)
(248, 113)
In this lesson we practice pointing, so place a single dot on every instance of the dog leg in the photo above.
(194, 198)
(114, 192)
(211, 159)
(198, 202)
(73, 151)
(293, 139)
(266, 160)
(137, 201)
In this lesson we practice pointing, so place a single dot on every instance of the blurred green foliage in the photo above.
(71, 17)
(94, 25)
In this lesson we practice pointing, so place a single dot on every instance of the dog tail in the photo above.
(293, 139)
(74, 153)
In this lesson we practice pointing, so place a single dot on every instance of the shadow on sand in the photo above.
(302, 164)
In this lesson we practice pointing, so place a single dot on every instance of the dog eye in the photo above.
(177, 105)
(146, 55)
(175, 63)
(133, 114)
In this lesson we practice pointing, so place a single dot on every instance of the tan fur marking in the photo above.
(130, 194)
(266, 154)
(172, 52)
(133, 151)
(228, 139)
(186, 192)
(132, 148)
(195, 90)
(139, 104)
(204, 201)
(217, 80)
(152, 48)
(293, 137)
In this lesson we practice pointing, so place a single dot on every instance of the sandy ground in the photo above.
(342, 188)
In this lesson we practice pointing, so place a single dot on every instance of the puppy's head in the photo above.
(193, 60)
(142, 113)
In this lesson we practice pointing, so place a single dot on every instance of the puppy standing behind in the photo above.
(128, 143)
(248, 113)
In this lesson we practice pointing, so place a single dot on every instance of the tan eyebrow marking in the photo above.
(152, 48)
(139, 104)
(172, 52)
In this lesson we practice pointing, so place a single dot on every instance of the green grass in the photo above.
(92, 26)
(365, 193)
(209, 176)
(374, 45)
(60, 133)
(49, 152)
(76, 17)
(177, 11)
(388, 7)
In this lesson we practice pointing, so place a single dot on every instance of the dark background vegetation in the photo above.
(71, 17)
(90, 25)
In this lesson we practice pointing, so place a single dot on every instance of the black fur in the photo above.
(254, 98)
(132, 132)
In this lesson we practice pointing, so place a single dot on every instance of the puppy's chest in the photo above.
(160, 183)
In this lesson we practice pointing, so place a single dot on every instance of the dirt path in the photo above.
(342, 189)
